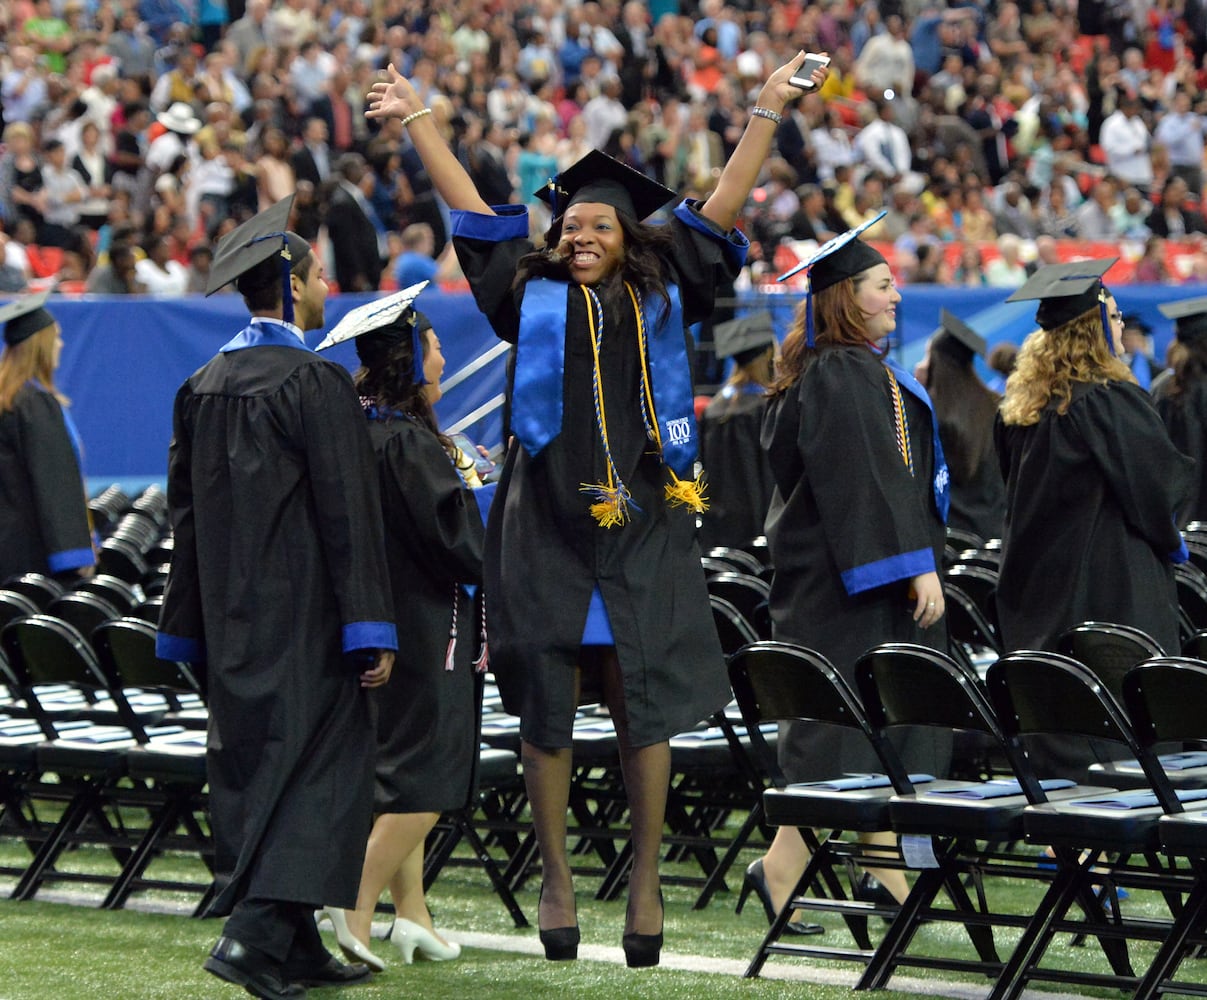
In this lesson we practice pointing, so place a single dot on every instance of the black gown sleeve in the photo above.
(56, 483)
(342, 474)
(873, 510)
(444, 528)
(1147, 474)
(181, 634)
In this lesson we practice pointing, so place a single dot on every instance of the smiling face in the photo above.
(877, 298)
(594, 241)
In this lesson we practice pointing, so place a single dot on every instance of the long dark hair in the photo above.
(387, 377)
(966, 409)
(645, 248)
(1189, 363)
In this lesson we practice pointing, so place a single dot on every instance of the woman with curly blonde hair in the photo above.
(1092, 478)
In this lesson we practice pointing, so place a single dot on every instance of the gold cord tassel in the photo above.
(688, 493)
(611, 507)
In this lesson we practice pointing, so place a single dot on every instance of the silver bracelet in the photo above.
(417, 114)
(767, 113)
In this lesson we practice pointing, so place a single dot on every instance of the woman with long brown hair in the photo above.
(43, 506)
(856, 525)
(967, 409)
(1181, 396)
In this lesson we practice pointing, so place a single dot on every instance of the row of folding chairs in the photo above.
(1140, 824)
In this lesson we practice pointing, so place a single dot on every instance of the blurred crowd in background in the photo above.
(996, 135)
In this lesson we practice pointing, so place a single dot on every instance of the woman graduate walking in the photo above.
(43, 505)
(592, 570)
(428, 715)
(856, 525)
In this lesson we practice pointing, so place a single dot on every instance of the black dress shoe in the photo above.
(253, 970)
(756, 881)
(332, 972)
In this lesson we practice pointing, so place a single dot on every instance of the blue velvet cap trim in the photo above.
(70, 559)
(905, 566)
(370, 635)
(179, 649)
(735, 242)
(510, 223)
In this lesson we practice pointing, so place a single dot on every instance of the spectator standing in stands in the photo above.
(1126, 143)
(311, 159)
(293, 625)
(132, 45)
(416, 263)
(1180, 131)
(882, 144)
(44, 522)
(23, 88)
(887, 61)
(350, 229)
(119, 276)
(1096, 217)
(159, 273)
(636, 583)
(1007, 270)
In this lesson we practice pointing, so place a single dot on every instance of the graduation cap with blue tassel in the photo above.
(1066, 291)
(843, 256)
(389, 319)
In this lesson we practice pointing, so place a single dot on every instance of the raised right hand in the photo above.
(393, 98)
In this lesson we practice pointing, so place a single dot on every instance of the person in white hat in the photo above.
(181, 124)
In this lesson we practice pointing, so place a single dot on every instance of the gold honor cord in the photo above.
(902, 426)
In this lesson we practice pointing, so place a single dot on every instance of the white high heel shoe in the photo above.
(349, 945)
(409, 937)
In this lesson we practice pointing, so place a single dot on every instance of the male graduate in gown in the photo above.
(279, 585)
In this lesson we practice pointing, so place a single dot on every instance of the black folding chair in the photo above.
(738, 559)
(960, 538)
(749, 594)
(973, 638)
(83, 610)
(39, 589)
(1191, 583)
(1165, 698)
(980, 584)
(1108, 838)
(776, 681)
(122, 595)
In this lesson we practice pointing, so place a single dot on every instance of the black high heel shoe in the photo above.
(756, 881)
(560, 943)
(870, 889)
(643, 950)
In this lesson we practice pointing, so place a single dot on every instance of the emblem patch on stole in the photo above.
(679, 431)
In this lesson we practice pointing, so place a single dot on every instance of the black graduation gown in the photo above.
(1185, 417)
(849, 527)
(279, 568)
(427, 716)
(978, 504)
(43, 506)
(735, 468)
(1090, 533)
(545, 554)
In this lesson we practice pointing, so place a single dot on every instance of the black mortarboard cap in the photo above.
(843, 256)
(598, 177)
(259, 239)
(1064, 291)
(1189, 316)
(957, 339)
(744, 338)
(24, 317)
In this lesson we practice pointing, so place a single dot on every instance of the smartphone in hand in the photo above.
(803, 77)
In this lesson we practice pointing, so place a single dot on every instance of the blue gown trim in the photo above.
(905, 566)
(597, 630)
(370, 635)
(509, 223)
(178, 649)
(734, 242)
(941, 484)
(70, 559)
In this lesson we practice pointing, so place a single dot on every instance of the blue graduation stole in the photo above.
(541, 362)
(263, 334)
(942, 481)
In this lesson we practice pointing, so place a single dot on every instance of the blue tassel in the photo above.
(1106, 325)
(809, 317)
(417, 353)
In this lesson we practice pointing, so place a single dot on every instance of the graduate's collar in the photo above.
(291, 327)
